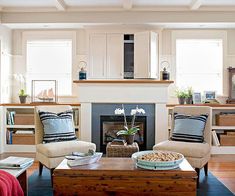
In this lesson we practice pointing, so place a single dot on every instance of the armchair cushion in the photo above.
(57, 126)
(188, 149)
(189, 128)
(60, 149)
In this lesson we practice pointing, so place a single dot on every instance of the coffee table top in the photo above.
(120, 165)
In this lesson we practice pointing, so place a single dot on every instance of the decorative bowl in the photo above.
(157, 164)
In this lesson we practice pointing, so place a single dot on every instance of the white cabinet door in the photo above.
(115, 59)
(141, 55)
(97, 56)
(145, 55)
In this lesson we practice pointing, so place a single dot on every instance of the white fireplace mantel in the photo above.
(123, 91)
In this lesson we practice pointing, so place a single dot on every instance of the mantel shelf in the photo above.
(129, 81)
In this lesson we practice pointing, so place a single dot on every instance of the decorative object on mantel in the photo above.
(165, 75)
(22, 94)
(181, 95)
(231, 97)
(189, 96)
(129, 133)
(82, 73)
(44, 91)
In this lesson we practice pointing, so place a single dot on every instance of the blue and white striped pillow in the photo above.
(189, 128)
(57, 126)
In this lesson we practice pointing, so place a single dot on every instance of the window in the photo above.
(199, 64)
(50, 60)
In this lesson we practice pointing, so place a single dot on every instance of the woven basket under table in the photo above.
(121, 150)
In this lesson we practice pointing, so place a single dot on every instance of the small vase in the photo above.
(181, 100)
(23, 98)
(129, 139)
(189, 100)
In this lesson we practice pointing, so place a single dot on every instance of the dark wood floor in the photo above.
(221, 166)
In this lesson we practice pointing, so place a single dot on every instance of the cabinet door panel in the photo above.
(115, 44)
(97, 56)
(154, 65)
(141, 55)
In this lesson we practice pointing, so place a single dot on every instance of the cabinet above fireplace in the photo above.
(120, 55)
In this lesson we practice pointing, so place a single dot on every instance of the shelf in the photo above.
(223, 150)
(20, 126)
(223, 127)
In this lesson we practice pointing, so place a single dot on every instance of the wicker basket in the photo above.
(121, 150)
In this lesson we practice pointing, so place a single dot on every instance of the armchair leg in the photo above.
(206, 169)
(51, 171)
(40, 168)
(198, 176)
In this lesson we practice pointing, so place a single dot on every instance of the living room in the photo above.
(114, 62)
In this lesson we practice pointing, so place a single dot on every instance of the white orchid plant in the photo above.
(132, 129)
(21, 80)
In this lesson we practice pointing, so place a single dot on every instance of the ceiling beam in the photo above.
(127, 4)
(60, 5)
(195, 4)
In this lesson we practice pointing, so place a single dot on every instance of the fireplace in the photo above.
(111, 124)
(105, 124)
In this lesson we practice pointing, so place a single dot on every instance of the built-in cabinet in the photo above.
(18, 128)
(146, 55)
(106, 56)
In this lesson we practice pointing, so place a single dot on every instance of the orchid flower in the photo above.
(133, 129)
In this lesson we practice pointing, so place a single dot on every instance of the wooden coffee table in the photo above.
(111, 176)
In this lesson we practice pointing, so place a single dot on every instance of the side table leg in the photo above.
(22, 178)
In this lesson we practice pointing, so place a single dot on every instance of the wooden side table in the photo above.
(121, 150)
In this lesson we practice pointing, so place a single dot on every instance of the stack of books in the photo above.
(15, 162)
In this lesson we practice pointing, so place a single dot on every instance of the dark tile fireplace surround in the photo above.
(105, 124)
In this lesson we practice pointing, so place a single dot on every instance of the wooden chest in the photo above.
(120, 176)
(225, 119)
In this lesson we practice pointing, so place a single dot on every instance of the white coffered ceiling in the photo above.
(110, 5)
(149, 13)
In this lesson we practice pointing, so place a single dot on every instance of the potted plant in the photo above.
(22, 96)
(189, 96)
(128, 133)
(181, 95)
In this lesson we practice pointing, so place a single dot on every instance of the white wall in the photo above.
(81, 50)
(165, 48)
(5, 64)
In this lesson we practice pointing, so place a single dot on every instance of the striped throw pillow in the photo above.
(57, 126)
(189, 128)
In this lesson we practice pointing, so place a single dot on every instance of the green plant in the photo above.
(189, 92)
(181, 93)
(22, 92)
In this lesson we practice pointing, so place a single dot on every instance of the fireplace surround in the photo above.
(146, 91)
(104, 112)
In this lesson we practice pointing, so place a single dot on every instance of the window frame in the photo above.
(201, 34)
(51, 35)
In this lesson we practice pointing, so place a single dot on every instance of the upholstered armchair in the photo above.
(51, 154)
(197, 154)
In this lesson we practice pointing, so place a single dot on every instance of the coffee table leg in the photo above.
(22, 178)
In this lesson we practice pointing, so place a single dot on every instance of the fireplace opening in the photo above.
(111, 124)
